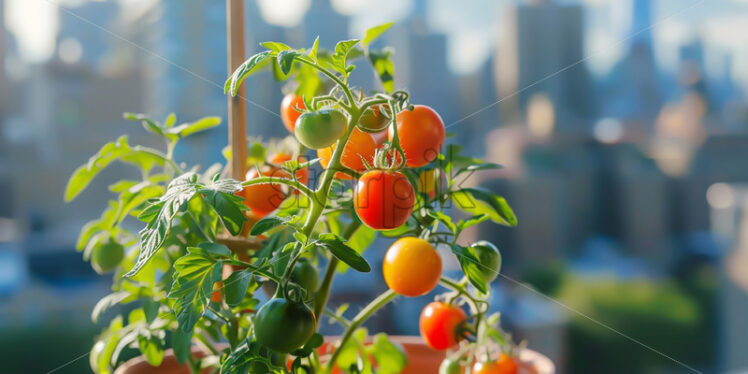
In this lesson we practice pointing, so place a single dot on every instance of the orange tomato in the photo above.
(504, 365)
(289, 115)
(360, 144)
(421, 132)
(439, 323)
(302, 174)
(217, 296)
(412, 267)
(263, 199)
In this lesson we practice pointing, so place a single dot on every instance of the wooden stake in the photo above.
(237, 108)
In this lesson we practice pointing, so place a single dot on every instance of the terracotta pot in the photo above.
(422, 359)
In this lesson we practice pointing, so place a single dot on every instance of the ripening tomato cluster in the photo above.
(383, 199)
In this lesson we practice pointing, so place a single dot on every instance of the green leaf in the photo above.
(232, 84)
(181, 342)
(178, 193)
(345, 253)
(235, 287)
(107, 302)
(228, 207)
(481, 201)
(286, 59)
(391, 358)
(109, 153)
(187, 129)
(474, 220)
(382, 63)
(343, 47)
(481, 166)
(134, 197)
(443, 218)
(148, 124)
(152, 348)
(266, 224)
(313, 51)
(275, 46)
(471, 267)
(170, 120)
(373, 33)
(195, 274)
(359, 241)
(150, 308)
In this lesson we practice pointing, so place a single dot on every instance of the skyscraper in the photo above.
(541, 53)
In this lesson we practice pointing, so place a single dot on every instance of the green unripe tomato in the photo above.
(306, 275)
(106, 256)
(450, 367)
(490, 259)
(283, 325)
(373, 120)
(320, 129)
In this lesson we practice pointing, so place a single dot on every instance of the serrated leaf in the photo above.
(107, 302)
(195, 274)
(178, 193)
(481, 201)
(235, 287)
(109, 153)
(266, 224)
(373, 33)
(232, 84)
(228, 207)
(345, 253)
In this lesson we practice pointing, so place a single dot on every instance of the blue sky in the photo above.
(473, 26)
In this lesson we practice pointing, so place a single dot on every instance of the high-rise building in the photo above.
(632, 89)
(541, 55)
(420, 60)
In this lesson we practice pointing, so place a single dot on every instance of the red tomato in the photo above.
(383, 199)
(421, 133)
(505, 365)
(438, 324)
(288, 113)
(360, 144)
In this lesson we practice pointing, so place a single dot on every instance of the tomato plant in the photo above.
(440, 324)
(210, 247)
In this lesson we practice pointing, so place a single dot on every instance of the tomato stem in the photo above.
(376, 304)
(323, 293)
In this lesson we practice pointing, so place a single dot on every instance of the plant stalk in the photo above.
(376, 304)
